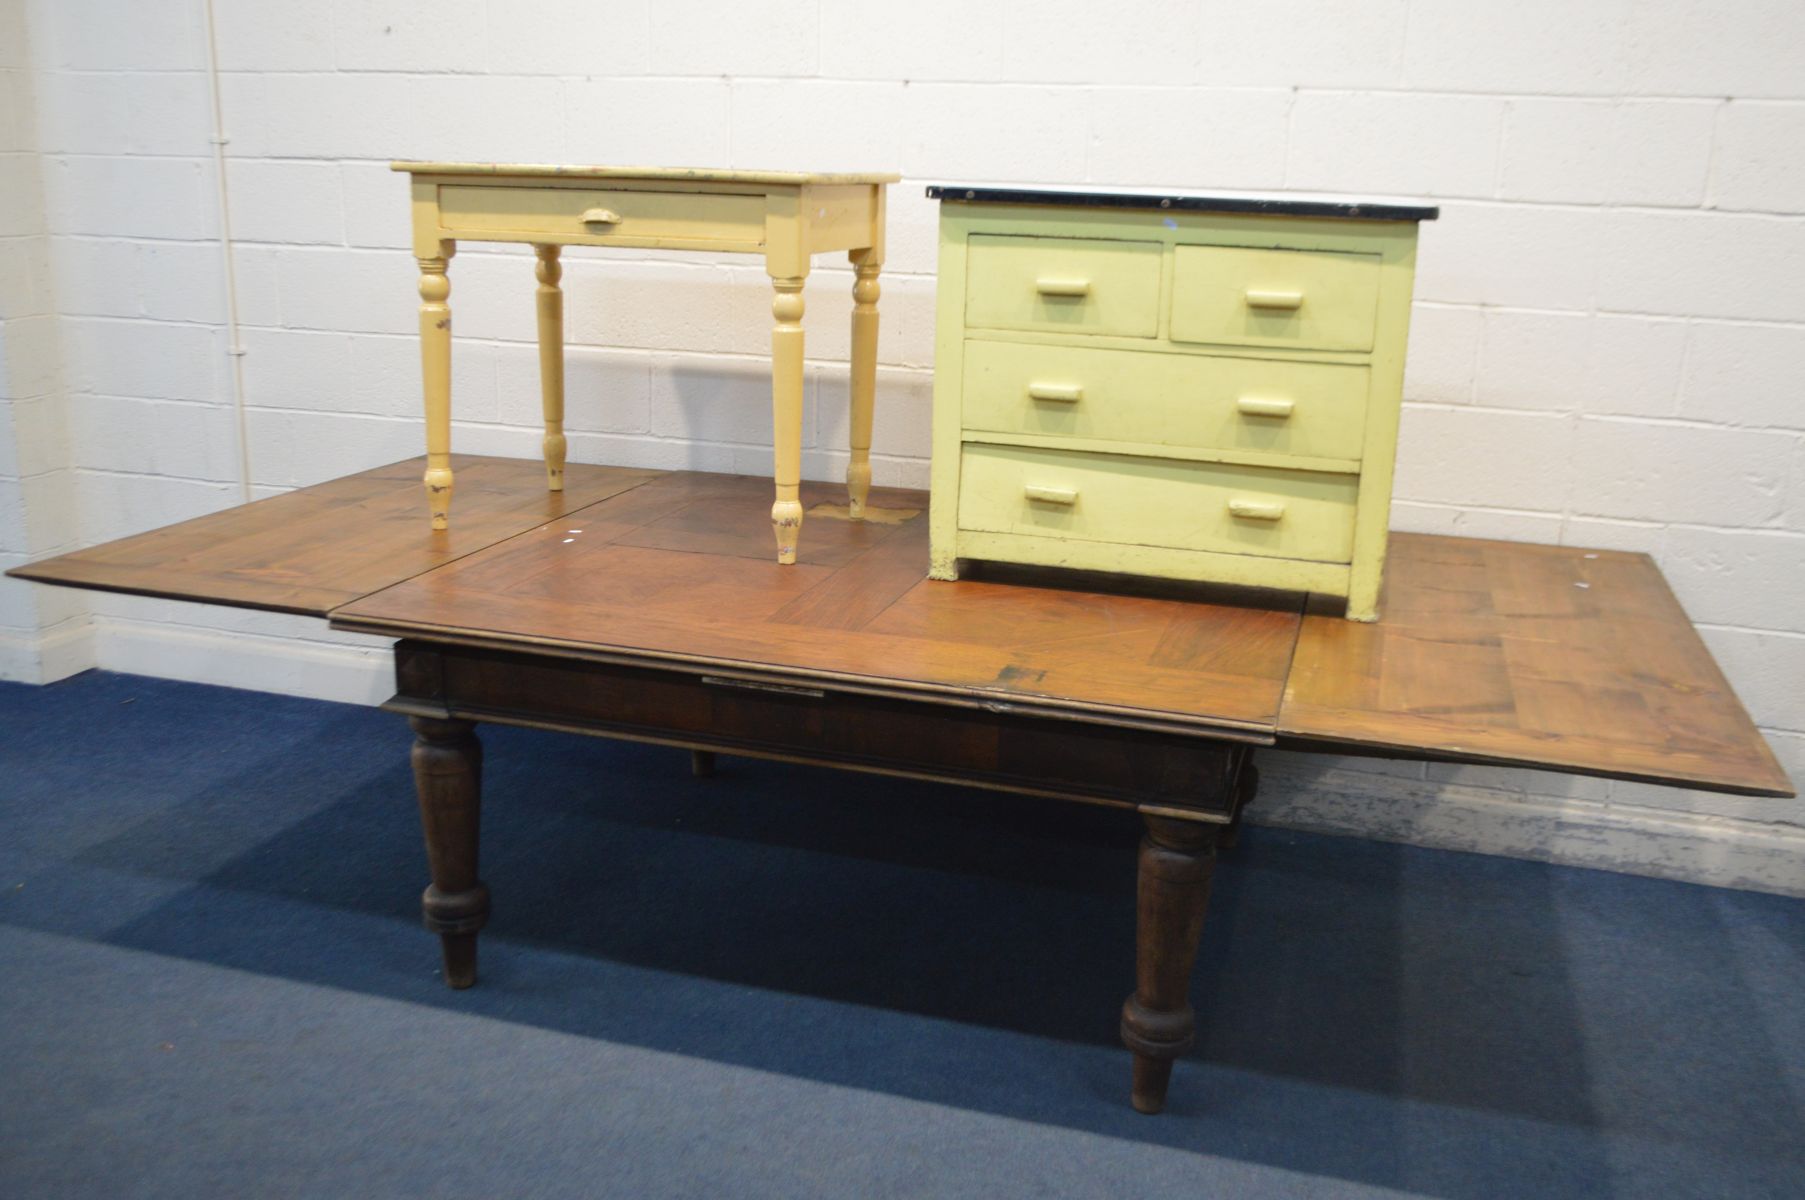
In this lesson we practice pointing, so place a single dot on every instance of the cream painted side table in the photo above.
(785, 216)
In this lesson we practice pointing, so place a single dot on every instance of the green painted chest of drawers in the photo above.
(1193, 387)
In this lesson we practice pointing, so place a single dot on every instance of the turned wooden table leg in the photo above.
(448, 771)
(701, 763)
(1246, 786)
(863, 389)
(786, 414)
(435, 375)
(1177, 859)
(551, 361)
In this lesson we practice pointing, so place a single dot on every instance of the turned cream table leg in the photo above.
(864, 377)
(551, 362)
(786, 413)
(435, 374)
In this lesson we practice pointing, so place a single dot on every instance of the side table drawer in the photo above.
(1157, 502)
(602, 215)
(1272, 405)
(1306, 299)
(1071, 285)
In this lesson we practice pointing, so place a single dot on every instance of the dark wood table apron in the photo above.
(1188, 788)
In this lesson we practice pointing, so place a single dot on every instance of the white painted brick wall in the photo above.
(1608, 349)
(1528, 47)
(96, 35)
(1713, 48)
(746, 37)
(1431, 145)
(924, 40)
(1579, 362)
(1744, 375)
(1521, 255)
(43, 635)
(1236, 141)
(1703, 265)
(1758, 162)
(1296, 43)
(640, 121)
(1607, 151)
(1127, 41)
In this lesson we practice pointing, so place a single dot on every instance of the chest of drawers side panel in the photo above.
(1372, 522)
(949, 374)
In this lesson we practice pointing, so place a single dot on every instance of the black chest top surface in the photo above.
(1296, 205)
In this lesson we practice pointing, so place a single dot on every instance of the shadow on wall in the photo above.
(730, 403)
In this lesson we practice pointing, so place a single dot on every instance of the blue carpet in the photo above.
(791, 982)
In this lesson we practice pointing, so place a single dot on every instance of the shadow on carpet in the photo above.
(1451, 1024)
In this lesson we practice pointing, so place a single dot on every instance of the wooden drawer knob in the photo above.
(1256, 510)
(1265, 406)
(1262, 298)
(1062, 393)
(601, 216)
(1049, 495)
(1063, 287)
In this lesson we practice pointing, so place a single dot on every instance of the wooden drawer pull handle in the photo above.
(1063, 287)
(1064, 393)
(1264, 406)
(1259, 298)
(1047, 495)
(1256, 510)
(601, 216)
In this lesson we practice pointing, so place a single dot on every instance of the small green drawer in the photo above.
(1274, 406)
(1068, 285)
(1158, 502)
(1303, 299)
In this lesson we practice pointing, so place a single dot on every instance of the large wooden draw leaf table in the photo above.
(645, 605)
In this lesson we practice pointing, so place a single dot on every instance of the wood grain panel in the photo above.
(1538, 656)
(677, 571)
(311, 550)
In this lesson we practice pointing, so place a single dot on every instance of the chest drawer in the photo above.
(1194, 400)
(1304, 299)
(1158, 502)
(1073, 285)
(603, 215)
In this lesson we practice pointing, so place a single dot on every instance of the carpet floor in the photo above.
(789, 982)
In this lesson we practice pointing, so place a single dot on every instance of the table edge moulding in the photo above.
(785, 216)
(1200, 386)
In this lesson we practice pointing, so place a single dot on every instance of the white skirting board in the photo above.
(345, 672)
(360, 672)
(1295, 791)
(48, 655)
